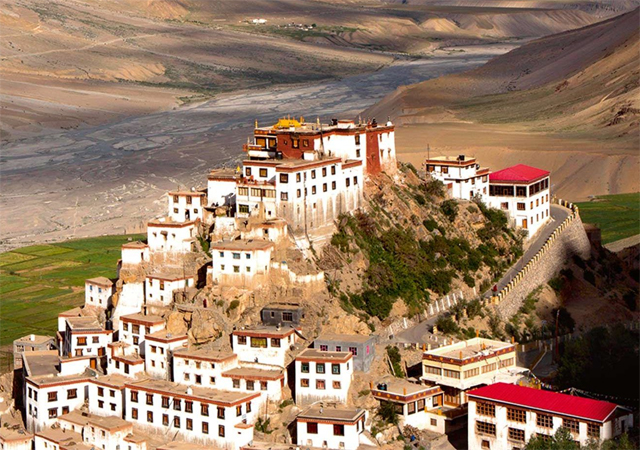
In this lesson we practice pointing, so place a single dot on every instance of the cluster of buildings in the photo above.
(115, 376)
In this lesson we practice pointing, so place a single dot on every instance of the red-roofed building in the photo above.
(522, 192)
(506, 416)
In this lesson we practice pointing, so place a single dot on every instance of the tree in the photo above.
(388, 412)
(562, 440)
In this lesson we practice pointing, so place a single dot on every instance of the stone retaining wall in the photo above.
(567, 240)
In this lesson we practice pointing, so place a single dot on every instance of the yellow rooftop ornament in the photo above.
(287, 123)
(256, 123)
(238, 170)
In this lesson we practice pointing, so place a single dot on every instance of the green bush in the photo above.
(450, 209)
(420, 199)
(430, 224)
(446, 324)
(469, 280)
(387, 412)
(233, 305)
(434, 188)
(396, 361)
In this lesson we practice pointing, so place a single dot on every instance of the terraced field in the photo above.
(40, 281)
(618, 216)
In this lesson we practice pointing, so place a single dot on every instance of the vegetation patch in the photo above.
(618, 216)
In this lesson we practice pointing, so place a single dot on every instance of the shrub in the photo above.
(450, 209)
(469, 280)
(233, 305)
(446, 324)
(387, 412)
(420, 199)
(394, 356)
(430, 224)
(434, 188)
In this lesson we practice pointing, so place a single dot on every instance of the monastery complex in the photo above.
(116, 376)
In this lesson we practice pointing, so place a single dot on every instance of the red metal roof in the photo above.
(518, 174)
(552, 402)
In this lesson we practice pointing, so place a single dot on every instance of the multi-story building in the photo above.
(467, 364)
(504, 417)
(135, 327)
(85, 337)
(57, 438)
(159, 354)
(98, 292)
(124, 359)
(134, 254)
(106, 395)
(416, 405)
(201, 367)
(31, 343)
(47, 392)
(15, 439)
(335, 427)
(523, 193)
(185, 206)
(323, 375)
(255, 378)
(263, 344)
(159, 287)
(170, 236)
(241, 262)
(362, 347)
(462, 176)
(99, 432)
(195, 414)
(221, 187)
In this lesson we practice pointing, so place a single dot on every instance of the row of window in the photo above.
(176, 199)
(320, 384)
(312, 428)
(353, 350)
(257, 192)
(236, 269)
(260, 342)
(176, 404)
(320, 368)
(53, 396)
(135, 328)
(177, 422)
(91, 289)
(82, 340)
(235, 255)
(284, 196)
(522, 206)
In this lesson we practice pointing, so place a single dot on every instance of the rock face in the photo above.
(572, 240)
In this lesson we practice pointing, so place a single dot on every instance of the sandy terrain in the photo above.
(568, 103)
(112, 178)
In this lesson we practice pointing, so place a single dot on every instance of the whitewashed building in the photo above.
(59, 439)
(334, 427)
(323, 375)
(159, 353)
(98, 292)
(135, 327)
(159, 287)
(416, 405)
(124, 359)
(15, 439)
(462, 176)
(221, 187)
(168, 236)
(134, 254)
(267, 380)
(185, 206)
(264, 344)
(100, 432)
(241, 262)
(522, 192)
(85, 336)
(194, 414)
(106, 395)
(202, 367)
(505, 416)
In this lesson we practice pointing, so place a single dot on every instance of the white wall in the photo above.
(326, 438)
(188, 371)
(270, 355)
(38, 405)
(312, 393)
(170, 239)
(110, 403)
(160, 292)
(183, 207)
(240, 267)
(97, 295)
(220, 192)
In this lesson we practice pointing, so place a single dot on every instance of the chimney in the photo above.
(404, 391)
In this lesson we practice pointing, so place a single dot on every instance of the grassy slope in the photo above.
(617, 215)
(40, 281)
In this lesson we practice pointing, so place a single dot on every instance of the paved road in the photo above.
(558, 214)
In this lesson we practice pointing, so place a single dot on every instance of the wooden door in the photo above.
(524, 223)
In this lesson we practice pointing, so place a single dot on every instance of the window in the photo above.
(313, 190)
(52, 396)
(337, 385)
(304, 382)
(263, 385)
(53, 412)
(149, 416)
(275, 342)
(95, 339)
(324, 187)
(165, 420)
(485, 409)
(433, 370)
(471, 372)
(421, 404)
(149, 399)
(165, 402)
(355, 180)
(284, 196)
(571, 425)
(298, 178)
(516, 434)
(517, 415)
(335, 369)
(212, 380)
(312, 428)
(320, 384)
(434, 423)
(236, 269)
(205, 428)
(243, 209)
(284, 178)
(501, 191)
(319, 367)
(357, 136)
(189, 424)
(333, 170)
(134, 413)
(451, 373)
(263, 173)
(347, 182)
(506, 362)
(295, 143)
(250, 385)
(504, 205)
(485, 428)
(521, 206)
(238, 410)
(287, 317)
(324, 348)
(242, 340)
(135, 329)
(220, 412)
(338, 430)
(258, 342)
(204, 410)
(313, 174)
(188, 406)
(333, 185)
(305, 142)
(100, 404)
(256, 192)
(304, 367)
(236, 383)
(354, 351)
(248, 407)
(198, 379)
(248, 171)
(489, 368)
(82, 340)
(72, 393)
(243, 191)
(593, 430)
(134, 396)
(411, 408)
(299, 193)
(221, 430)
(544, 420)
(177, 404)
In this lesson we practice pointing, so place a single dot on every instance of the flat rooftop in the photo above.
(283, 306)
(315, 354)
(217, 396)
(10, 435)
(164, 335)
(251, 373)
(80, 324)
(337, 413)
(34, 339)
(168, 221)
(336, 337)
(135, 245)
(111, 423)
(141, 318)
(224, 173)
(469, 349)
(241, 244)
(400, 387)
(114, 380)
(182, 445)
(465, 160)
(204, 354)
(41, 363)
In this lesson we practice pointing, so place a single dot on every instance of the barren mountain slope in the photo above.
(568, 103)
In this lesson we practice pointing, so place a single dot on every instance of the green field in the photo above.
(618, 216)
(39, 282)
